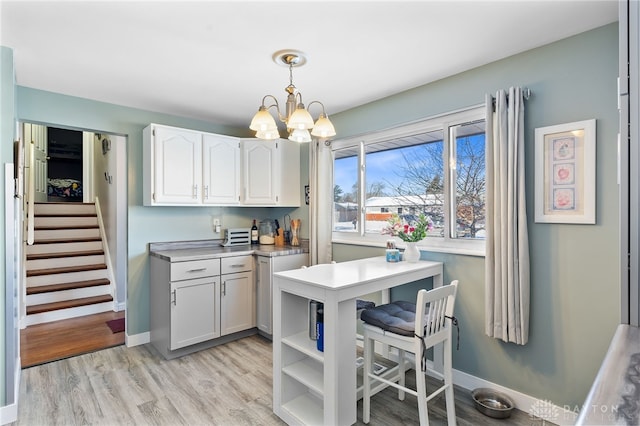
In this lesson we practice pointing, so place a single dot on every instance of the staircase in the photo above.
(66, 268)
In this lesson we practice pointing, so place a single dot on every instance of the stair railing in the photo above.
(31, 192)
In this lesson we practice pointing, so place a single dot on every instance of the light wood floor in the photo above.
(61, 339)
(230, 384)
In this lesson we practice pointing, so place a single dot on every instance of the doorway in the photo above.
(77, 167)
(64, 165)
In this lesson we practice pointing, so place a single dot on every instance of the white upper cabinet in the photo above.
(261, 163)
(221, 169)
(185, 167)
(271, 172)
(175, 159)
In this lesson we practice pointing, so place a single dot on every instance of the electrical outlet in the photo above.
(217, 228)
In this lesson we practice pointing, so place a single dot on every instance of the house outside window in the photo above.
(434, 167)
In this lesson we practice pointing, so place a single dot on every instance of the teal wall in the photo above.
(575, 291)
(145, 224)
(574, 287)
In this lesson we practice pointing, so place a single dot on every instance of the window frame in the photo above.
(444, 121)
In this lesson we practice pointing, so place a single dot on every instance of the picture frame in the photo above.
(565, 173)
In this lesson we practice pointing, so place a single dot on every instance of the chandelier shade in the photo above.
(300, 135)
(262, 121)
(300, 119)
(268, 134)
(297, 118)
(323, 128)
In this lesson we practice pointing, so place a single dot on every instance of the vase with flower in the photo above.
(409, 233)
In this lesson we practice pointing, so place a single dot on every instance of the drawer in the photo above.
(231, 265)
(195, 269)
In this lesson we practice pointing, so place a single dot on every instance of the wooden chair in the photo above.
(390, 324)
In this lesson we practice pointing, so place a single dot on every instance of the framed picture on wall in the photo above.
(565, 173)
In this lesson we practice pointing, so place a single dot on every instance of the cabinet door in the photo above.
(264, 290)
(177, 165)
(261, 171)
(266, 267)
(221, 169)
(195, 306)
(237, 301)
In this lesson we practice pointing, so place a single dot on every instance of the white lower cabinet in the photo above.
(265, 267)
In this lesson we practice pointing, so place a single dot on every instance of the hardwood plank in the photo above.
(229, 384)
(66, 240)
(37, 256)
(71, 303)
(65, 269)
(67, 286)
(61, 339)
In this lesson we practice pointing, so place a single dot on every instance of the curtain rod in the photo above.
(526, 94)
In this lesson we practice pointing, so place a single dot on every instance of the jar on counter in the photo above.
(267, 231)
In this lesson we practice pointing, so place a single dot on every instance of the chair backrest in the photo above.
(432, 309)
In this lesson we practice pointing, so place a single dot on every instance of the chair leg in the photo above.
(367, 369)
(421, 387)
(448, 380)
(401, 373)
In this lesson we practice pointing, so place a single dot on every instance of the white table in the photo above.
(313, 387)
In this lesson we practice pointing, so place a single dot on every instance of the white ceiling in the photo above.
(212, 60)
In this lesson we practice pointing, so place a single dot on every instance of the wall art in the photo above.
(565, 173)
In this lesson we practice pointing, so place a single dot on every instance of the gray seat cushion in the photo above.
(396, 317)
(364, 304)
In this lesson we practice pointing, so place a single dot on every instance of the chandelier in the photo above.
(296, 117)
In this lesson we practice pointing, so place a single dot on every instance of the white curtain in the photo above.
(507, 251)
(320, 201)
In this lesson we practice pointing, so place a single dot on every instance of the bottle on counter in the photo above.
(254, 233)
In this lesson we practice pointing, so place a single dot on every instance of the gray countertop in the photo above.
(182, 251)
(614, 398)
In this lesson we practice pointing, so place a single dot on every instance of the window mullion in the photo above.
(449, 180)
(362, 193)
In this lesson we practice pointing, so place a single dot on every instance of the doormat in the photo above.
(116, 325)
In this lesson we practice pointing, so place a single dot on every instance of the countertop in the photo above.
(342, 275)
(183, 251)
(614, 398)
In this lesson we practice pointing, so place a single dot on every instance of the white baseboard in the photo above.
(539, 408)
(137, 339)
(9, 413)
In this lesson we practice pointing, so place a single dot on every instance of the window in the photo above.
(435, 167)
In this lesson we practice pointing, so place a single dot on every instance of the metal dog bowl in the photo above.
(492, 403)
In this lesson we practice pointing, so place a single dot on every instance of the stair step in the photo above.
(66, 269)
(46, 307)
(39, 280)
(63, 314)
(66, 240)
(64, 247)
(66, 228)
(61, 209)
(67, 286)
(62, 214)
(52, 255)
